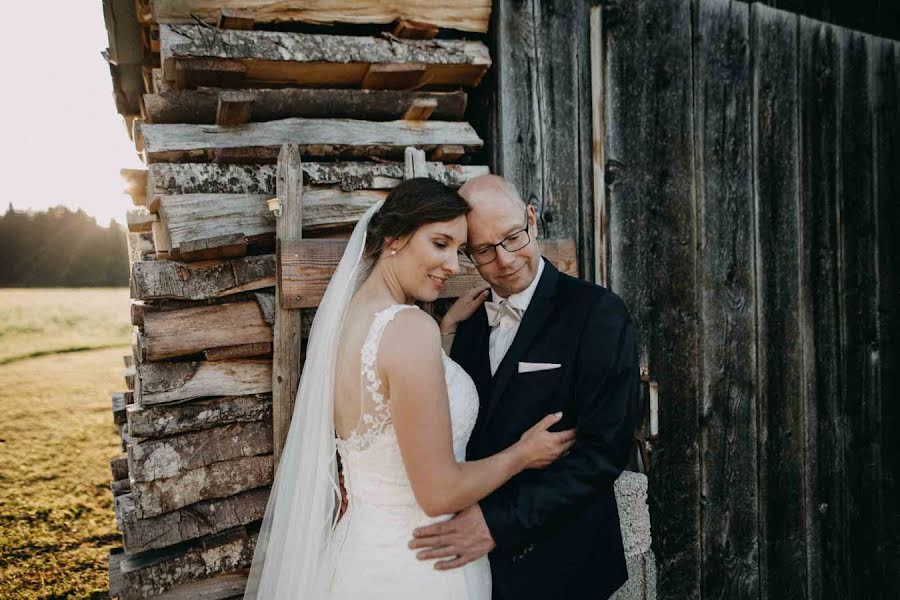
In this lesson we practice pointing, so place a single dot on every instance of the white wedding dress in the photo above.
(368, 551)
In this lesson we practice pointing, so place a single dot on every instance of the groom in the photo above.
(545, 342)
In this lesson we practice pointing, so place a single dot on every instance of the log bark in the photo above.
(166, 382)
(315, 137)
(204, 178)
(196, 281)
(172, 456)
(309, 265)
(218, 480)
(152, 573)
(212, 217)
(312, 59)
(174, 333)
(199, 106)
(153, 422)
(469, 15)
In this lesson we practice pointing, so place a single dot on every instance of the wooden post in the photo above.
(286, 342)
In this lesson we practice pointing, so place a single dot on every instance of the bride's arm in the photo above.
(409, 359)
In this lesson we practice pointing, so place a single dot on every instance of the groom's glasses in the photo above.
(514, 241)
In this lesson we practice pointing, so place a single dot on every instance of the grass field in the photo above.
(57, 438)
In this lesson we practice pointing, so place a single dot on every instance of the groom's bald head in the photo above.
(498, 212)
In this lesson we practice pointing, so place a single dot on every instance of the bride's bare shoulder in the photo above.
(412, 334)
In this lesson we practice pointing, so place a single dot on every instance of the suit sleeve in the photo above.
(607, 388)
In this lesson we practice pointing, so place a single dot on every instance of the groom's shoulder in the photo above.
(590, 297)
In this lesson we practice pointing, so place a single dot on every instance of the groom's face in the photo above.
(494, 220)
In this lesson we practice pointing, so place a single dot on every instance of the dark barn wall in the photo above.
(878, 17)
(751, 192)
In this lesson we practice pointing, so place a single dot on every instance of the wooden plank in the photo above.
(653, 237)
(393, 77)
(315, 137)
(199, 106)
(233, 108)
(421, 109)
(265, 299)
(216, 480)
(220, 587)
(197, 281)
(859, 314)
(820, 134)
(468, 15)
(203, 178)
(309, 264)
(286, 363)
(165, 382)
(118, 408)
(192, 217)
(231, 19)
(414, 164)
(782, 403)
(886, 69)
(414, 30)
(184, 332)
(165, 420)
(119, 467)
(201, 519)
(542, 139)
(172, 456)
(231, 245)
(728, 439)
(239, 351)
(140, 220)
(314, 59)
(115, 574)
(152, 573)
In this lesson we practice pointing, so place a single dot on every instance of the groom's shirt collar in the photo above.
(522, 299)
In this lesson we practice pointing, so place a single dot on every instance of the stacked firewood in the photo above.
(209, 92)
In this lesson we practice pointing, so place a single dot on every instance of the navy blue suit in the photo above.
(557, 529)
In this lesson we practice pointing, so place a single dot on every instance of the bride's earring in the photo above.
(393, 252)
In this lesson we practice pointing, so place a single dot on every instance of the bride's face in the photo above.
(426, 258)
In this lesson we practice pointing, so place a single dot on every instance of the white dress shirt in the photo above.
(504, 333)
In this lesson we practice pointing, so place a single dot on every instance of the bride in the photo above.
(378, 391)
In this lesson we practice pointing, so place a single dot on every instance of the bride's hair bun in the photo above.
(413, 203)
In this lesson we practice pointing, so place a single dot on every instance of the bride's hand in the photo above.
(463, 308)
(542, 447)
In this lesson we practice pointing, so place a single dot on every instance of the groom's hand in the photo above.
(462, 539)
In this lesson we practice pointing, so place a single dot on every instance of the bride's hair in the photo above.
(413, 203)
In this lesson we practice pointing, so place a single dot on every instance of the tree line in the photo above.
(61, 248)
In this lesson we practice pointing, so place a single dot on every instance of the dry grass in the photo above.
(56, 441)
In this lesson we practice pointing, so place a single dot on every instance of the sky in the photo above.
(61, 139)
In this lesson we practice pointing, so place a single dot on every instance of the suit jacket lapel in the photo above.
(532, 322)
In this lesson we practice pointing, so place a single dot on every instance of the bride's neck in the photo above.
(382, 285)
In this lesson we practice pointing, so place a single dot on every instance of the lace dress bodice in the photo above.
(371, 538)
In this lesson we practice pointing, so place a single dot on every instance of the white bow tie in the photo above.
(497, 310)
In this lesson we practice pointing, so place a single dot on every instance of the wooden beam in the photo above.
(393, 77)
(204, 518)
(304, 59)
(420, 110)
(185, 281)
(234, 108)
(465, 15)
(165, 382)
(309, 264)
(286, 357)
(314, 137)
(199, 106)
(205, 178)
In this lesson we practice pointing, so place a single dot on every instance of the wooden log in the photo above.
(468, 15)
(204, 518)
(203, 178)
(130, 374)
(183, 332)
(722, 124)
(217, 480)
(393, 77)
(197, 281)
(120, 487)
(165, 382)
(115, 573)
(420, 110)
(119, 467)
(239, 351)
(219, 247)
(286, 359)
(309, 265)
(215, 218)
(200, 106)
(151, 574)
(140, 220)
(153, 422)
(315, 137)
(174, 455)
(118, 407)
(234, 108)
(265, 299)
(414, 30)
(414, 164)
(220, 587)
(316, 59)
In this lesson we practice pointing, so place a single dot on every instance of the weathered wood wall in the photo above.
(751, 190)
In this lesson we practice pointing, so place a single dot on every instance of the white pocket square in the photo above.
(527, 367)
